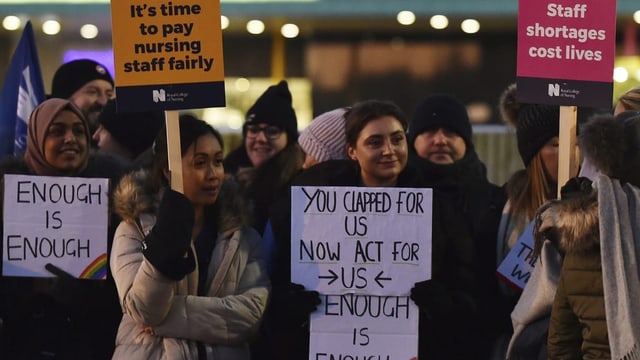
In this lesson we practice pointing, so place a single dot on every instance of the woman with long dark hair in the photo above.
(188, 267)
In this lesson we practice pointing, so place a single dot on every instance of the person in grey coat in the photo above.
(189, 269)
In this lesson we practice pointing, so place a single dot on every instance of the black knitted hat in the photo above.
(75, 74)
(535, 124)
(441, 111)
(274, 107)
(136, 131)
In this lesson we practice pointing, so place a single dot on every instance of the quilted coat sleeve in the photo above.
(565, 339)
(232, 314)
(145, 294)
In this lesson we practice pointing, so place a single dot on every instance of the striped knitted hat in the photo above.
(324, 139)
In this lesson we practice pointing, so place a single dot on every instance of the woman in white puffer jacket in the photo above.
(189, 270)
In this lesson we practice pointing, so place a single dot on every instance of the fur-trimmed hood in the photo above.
(572, 222)
(134, 197)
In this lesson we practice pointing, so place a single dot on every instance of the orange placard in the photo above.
(157, 43)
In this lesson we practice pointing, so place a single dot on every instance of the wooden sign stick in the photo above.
(567, 155)
(173, 148)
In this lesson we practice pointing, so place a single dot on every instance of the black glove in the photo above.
(66, 288)
(576, 186)
(432, 298)
(297, 304)
(168, 245)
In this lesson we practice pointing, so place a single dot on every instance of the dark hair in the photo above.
(364, 112)
(191, 129)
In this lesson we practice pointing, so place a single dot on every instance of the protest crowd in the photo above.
(206, 272)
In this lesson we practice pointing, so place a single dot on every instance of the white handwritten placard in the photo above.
(353, 326)
(360, 239)
(517, 266)
(60, 221)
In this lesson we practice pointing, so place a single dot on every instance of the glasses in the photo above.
(270, 132)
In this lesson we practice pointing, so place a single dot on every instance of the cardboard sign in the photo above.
(517, 266)
(167, 55)
(360, 239)
(55, 220)
(566, 52)
(364, 327)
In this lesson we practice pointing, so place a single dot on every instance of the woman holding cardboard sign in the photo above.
(537, 130)
(377, 145)
(72, 318)
(188, 267)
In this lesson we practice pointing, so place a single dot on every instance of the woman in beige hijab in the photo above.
(57, 139)
(76, 319)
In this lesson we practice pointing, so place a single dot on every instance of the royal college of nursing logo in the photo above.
(554, 90)
(159, 95)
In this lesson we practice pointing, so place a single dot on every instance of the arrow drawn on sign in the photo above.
(379, 278)
(333, 277)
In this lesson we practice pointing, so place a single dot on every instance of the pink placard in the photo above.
(564, 39)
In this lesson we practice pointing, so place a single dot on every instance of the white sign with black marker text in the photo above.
(59, 221)
(362, 249)
(360, 239)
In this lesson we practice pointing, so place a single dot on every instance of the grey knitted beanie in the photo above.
(324, 139)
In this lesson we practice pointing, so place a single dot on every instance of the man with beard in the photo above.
(87, 84)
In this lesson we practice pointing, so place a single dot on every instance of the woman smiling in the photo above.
(65, 309)
(377, 146)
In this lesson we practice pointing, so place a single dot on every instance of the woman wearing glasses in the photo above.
(269, 156)
(265, 163)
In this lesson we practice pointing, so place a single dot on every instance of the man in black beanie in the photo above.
(441, 148)
(440, 130)
(87, 84)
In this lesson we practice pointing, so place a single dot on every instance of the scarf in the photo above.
(536, 299)
(620, 252)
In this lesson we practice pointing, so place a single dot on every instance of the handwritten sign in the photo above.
(353, 326)
(168, 54)
(55, 220)
(365, 240)
(517, 266)
(566, 52)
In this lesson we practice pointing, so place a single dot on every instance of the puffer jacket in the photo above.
(164, 319)
(578, 328)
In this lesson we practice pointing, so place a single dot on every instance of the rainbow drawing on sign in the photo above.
(97, 270)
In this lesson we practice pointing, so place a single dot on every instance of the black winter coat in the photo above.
(60, 318)
(479, 203)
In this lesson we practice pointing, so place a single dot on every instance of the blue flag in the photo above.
(22, 91)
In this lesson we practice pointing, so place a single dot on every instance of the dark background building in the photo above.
(345, 50)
